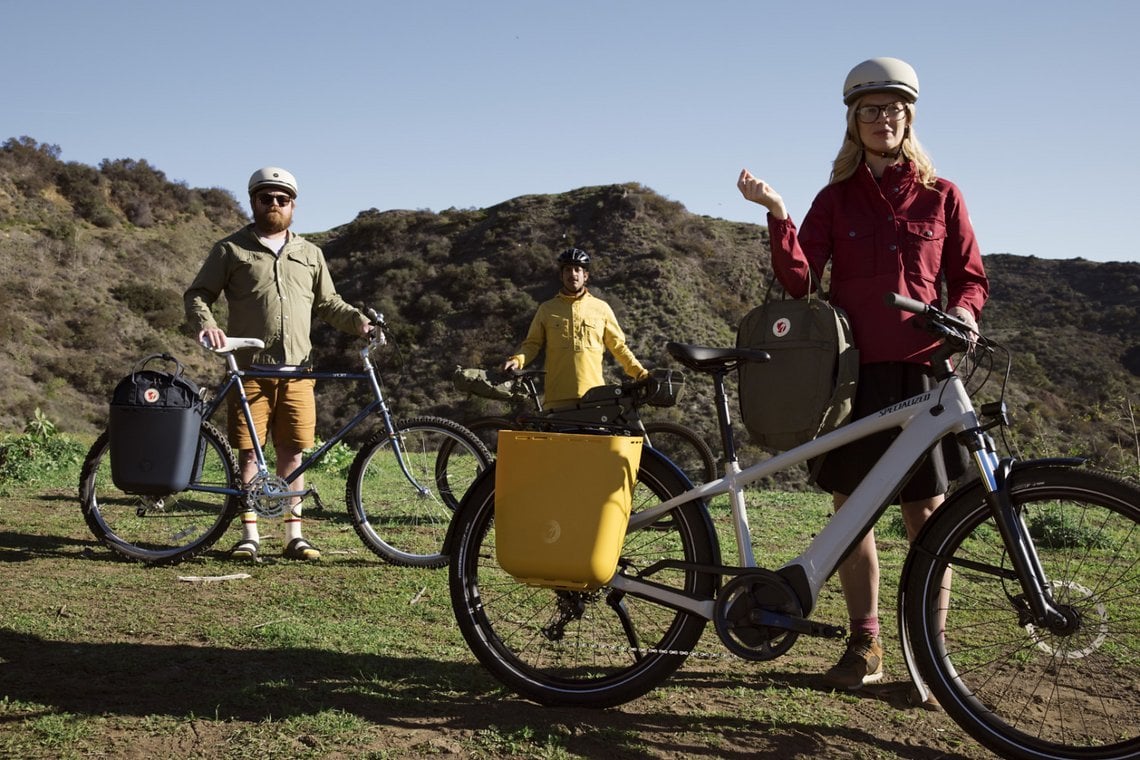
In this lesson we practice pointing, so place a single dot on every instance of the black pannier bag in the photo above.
(156, 417)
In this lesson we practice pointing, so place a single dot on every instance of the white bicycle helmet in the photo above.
(273, 176)
(881, 75)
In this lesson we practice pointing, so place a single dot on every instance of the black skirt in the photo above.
(881, 385)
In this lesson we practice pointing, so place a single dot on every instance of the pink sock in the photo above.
(865, 625)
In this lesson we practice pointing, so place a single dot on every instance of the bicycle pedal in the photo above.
(826, 631)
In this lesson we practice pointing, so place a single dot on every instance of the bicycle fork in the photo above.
(1036, 605)
(389, 425)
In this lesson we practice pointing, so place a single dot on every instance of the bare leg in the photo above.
(859, 574)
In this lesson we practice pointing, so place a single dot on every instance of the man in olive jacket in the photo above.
(274, 282)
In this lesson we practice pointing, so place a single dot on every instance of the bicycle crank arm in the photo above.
(770, 619)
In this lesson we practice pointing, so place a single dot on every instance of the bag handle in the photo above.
(179, 370)
(817, 290)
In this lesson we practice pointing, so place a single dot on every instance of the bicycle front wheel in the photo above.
(401, 498)
(583, 648)
(685, 448)
(1024, 691)
(162, 530)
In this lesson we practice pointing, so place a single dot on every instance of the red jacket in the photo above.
(888, 236)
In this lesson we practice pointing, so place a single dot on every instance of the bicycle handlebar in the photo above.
(939, 322)
(378, 326)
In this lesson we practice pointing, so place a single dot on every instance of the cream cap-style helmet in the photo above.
(881, 75)
(273, 176)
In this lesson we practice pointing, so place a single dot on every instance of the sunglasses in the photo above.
(270, 199)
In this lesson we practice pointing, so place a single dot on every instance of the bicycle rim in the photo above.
(401, 516)
(685, 448)
(597, 648)
(163, 530)
(1023, 691)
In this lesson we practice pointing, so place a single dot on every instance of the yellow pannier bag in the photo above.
(562, 502)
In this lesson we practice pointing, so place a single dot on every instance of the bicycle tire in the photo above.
(1026, 692)
(402, 522)
(169, 529)
(574, 648)
(685, 448)
(486, 429)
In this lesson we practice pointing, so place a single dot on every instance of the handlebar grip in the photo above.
(902, 303)
(375, 318)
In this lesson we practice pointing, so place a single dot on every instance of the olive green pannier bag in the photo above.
(808, 387)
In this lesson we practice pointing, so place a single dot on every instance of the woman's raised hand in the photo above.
(759, 191)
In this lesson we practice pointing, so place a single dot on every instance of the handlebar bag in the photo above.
(478, 382)
(808, 387)
(155, 420)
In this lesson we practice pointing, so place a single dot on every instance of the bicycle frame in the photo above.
(924, 420)
(234, 377)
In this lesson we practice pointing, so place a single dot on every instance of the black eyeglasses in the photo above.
(871, 114)
(270, 199)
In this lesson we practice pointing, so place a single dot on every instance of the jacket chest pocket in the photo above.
(298, 274)
(922, 248)
(558, 329)
(590, 334)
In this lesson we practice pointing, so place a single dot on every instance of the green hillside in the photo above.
(97, 259)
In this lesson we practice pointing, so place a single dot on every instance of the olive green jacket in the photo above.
(270, 297)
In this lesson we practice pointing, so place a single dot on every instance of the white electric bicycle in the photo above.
(1019, 601)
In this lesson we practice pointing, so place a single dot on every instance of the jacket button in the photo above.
(851, 233)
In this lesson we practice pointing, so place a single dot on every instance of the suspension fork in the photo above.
(1022, 552)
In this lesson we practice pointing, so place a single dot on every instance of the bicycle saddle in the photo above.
(706, 359)
(233, 344)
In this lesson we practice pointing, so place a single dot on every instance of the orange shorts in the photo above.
(289, 407)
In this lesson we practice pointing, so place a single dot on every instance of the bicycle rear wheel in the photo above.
(162, 530)
(685, 448)
(1022, 691)
(486, 429)
(584, 648)
(401, 502)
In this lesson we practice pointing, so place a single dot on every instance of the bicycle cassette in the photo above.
(742, 607)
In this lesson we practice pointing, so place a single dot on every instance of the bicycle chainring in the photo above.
(265, 495)
(737, 607)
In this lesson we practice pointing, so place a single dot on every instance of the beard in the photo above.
(271, 221)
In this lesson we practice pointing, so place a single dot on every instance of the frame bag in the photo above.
(808, 387)
(156, 418)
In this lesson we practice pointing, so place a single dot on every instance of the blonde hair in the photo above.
(851, 152)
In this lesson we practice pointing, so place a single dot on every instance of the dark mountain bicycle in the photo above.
(399, 501)
(680, 444)
(1018, 602)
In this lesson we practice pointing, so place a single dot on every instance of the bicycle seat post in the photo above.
(727, 440)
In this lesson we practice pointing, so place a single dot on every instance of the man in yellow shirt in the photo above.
(575, 328)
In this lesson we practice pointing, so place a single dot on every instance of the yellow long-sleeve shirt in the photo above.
(575, 331)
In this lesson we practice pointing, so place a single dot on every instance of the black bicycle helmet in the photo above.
(574, 257)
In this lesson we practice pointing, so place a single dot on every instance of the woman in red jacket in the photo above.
(886, 224)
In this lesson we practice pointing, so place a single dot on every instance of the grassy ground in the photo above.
(354, 658)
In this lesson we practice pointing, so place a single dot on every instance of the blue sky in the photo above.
(1030, 107)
